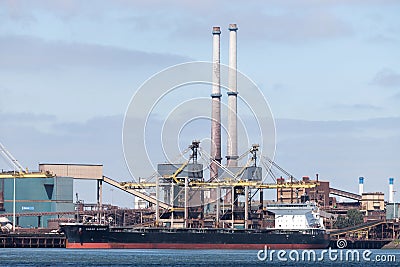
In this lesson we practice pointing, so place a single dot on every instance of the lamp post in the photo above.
(394, 206)
(14, 204)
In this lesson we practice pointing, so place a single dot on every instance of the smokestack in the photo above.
(391, 190)
(216, 105)
(232, 146)
(360, 185)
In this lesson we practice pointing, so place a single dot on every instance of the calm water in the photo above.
(66, 257)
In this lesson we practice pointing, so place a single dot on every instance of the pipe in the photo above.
(246, 207)
(232, 145)
(186, 213)
(233, 206)
(99, 199)
(172, 195)
(218, 207)
(360, 185)
(391, 190)
(157, 201)
(216, 105)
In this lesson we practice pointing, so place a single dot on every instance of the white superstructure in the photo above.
(296, 216)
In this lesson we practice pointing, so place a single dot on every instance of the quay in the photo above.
(32, 240)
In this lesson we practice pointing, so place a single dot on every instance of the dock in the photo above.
(32, 240)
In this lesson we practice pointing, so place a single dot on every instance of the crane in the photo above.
(14, 162)
(19, 170)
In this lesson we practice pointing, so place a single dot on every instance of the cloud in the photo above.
(26, 11)
(68, 7)
(287, 26)
(387, 78)
(279, 87)
(278, 21)
(383, 39)
(26, 121)
(341, 151)
(23, 52)
(293, 127)
(338, 150)
(96, 141)
(26, 117)
(358, 107)
(302, 26)
(397, 96)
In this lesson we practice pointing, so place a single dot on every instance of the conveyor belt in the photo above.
(136, 193)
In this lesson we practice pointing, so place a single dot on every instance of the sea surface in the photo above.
(127, 257)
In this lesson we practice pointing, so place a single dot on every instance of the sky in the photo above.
(330, 71)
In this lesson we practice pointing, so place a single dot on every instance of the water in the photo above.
(127, 257)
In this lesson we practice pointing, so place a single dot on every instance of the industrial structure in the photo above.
(38, 194)
(177, 186)
(216, 106)
(180, 196)
(225, 199)
(232, 141)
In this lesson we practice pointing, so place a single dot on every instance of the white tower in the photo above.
(232, 143)
(360, 185)
(391, 190)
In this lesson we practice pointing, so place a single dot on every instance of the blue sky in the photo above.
(330, 71)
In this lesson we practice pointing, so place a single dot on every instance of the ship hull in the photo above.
(103, 237)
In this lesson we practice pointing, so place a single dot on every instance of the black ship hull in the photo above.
(102, 236)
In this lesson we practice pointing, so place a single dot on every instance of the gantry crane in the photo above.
(177, 187)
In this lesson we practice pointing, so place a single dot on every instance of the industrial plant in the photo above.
(229, 204)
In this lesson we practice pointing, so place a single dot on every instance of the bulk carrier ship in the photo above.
(298, 226)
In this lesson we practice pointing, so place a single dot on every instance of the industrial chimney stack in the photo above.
(360, 185)
(216, 105)
(391, 190)
(232, 143)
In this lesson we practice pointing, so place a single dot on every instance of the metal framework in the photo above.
(224, 184)
(10, 175)
(179, 189)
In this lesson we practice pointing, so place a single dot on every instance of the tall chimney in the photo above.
(391, 190)
(360, 185)
(216, 105)
(232, 145)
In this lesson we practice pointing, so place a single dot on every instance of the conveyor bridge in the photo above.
(345, 194)
(135, 192)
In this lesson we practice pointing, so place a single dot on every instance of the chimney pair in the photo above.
(232, 145)
(391, 188)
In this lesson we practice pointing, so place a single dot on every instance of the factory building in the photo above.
(319, 194)
(392, 211)
(37, 195)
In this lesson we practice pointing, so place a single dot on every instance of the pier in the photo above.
(32, 240)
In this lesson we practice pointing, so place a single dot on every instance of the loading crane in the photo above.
(177, 172)
(19, 170)
(227, 182)
(194, 146)
(178, 189)
(273, 163)
(9, 157)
